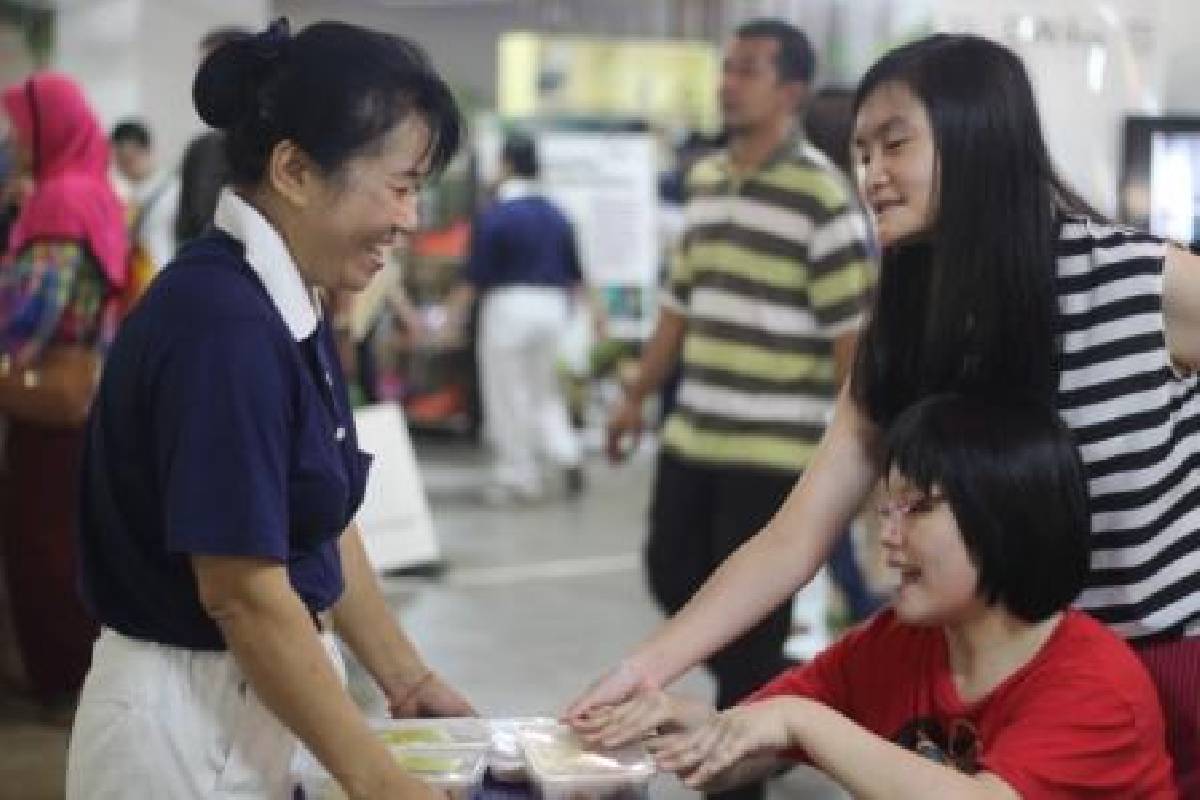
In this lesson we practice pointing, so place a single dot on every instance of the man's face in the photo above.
(751, 93)
(134, 161)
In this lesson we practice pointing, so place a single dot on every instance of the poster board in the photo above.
(671, 82)
(606, 182)
(397, 527)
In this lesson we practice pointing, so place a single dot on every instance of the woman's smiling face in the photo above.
(896, 162)
(357, 215)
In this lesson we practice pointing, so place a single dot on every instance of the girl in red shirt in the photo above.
(979, 682)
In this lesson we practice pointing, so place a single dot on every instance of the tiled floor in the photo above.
(535, 600)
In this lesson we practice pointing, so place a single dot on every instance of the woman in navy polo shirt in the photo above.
(222, 471)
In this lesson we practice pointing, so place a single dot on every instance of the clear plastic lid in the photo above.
(443, 768)
(506, 756)
(434, 732)
(557, 756)
(458, 770)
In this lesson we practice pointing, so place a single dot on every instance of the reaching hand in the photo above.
(649, 713)
(701, 756)
(429, 697)
(625, 423)
(617, 685)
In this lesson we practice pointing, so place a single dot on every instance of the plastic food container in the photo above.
(445, 732)
(506, 762)
(564, 769)
(458, 772)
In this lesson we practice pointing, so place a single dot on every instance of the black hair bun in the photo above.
(227, 83)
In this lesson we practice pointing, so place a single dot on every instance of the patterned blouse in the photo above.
(51, 293)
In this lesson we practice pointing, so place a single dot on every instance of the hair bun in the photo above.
(227, 83)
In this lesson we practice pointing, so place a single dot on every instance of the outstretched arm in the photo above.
(867, 765)
(764, 571)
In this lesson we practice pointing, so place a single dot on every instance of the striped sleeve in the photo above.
(677, 297)
(681, 274)
(841, 271)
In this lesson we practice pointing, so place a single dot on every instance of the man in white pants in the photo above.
(524, 265)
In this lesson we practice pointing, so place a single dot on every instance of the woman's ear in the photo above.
(292, 173)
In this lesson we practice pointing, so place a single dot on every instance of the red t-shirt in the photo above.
(1081, 719)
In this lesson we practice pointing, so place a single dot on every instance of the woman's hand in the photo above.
(619, 684)
(427, 696)
(649, 713)
(700, 757)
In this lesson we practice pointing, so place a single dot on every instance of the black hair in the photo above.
(971, 307)
(334, 89)
(828, 121)
(1013, 478)
(203, 171)
(795, 60)
(219, 37)
(133, 131)
(520, 153)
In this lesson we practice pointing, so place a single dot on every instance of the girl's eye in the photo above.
(922, 505)
(895, 144)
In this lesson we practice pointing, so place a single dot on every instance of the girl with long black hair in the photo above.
(997, 279)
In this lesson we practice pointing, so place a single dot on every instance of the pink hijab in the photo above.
(72, 198)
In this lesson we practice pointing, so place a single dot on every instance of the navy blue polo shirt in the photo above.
(215, 432)
(525, 241)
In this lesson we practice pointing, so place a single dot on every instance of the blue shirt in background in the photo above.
(524, 241)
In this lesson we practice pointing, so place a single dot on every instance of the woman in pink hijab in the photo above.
(65, 258)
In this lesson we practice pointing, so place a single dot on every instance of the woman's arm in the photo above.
(367, 626)
(1181, 307)
(269, 632)
(866, 765)
(764, 571)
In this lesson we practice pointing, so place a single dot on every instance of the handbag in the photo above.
(56, 391)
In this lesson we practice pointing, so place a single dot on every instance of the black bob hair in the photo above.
(970, 306)
(1013, 479)
(334, 89)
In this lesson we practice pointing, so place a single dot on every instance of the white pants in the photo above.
(174, 724)
(520, 328)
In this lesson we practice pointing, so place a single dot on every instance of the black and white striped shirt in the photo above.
(1137, 421)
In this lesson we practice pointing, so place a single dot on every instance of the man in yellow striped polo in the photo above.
(762, 308)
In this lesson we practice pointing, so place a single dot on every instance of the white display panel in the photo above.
(1175, 184)
(396, 524)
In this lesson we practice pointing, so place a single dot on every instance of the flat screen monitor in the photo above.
(1160, 176)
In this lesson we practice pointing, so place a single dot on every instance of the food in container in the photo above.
(566, 769)
(458, 771)
(434, 732)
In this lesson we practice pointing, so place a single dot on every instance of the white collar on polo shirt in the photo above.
(269, 257)
(515, 188)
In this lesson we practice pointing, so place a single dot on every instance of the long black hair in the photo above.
(334, 89)
(971, 307)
